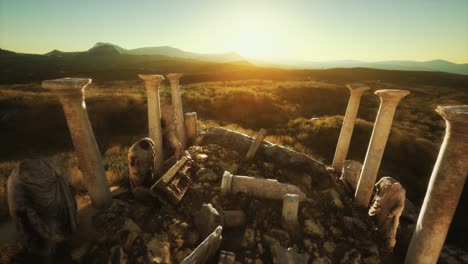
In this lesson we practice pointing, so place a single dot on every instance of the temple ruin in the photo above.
(225, 197)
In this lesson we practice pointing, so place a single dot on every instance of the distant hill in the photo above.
(433, 65)
(176, 53)
(107, 63)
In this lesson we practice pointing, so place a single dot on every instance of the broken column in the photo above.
(152, 82)
(290, 210)
(207, 249)
(389, 100)
(174, 79)
(70, 94)
(444, 190)
(261, 188)
(348, 124)
(191, 127)
(256, 144)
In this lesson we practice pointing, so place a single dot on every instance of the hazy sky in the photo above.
(309, 30)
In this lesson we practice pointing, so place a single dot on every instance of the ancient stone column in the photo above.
(444, 190)
(70, 94)
(290, 211)
(191, 127)
(389, 100)
(348, 124)
(261, 188)
(174, 79)
(152, 82)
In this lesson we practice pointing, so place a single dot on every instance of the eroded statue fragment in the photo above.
(41, 205)
(141, 157)
(169, 125)
(386, 208)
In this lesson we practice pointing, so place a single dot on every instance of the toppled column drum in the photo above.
(261, 188)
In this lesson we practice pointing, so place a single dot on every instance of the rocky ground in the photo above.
(162, 233)
(159, 232)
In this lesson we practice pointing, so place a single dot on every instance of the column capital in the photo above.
(66, 85)
(455, 113)
(151, 78)
(391, 95)
(173, 76)
(357, 88)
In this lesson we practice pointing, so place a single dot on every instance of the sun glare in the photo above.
(253, 44)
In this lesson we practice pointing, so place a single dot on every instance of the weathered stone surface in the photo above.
(255, 145)
(260, 188)
(206, 250)
(348, 124)
(389, 100)
(140, 158)
(70, 94)
(159, 250)
(313, 228)
(169, 126)
(207, 219)
(279, 155)
(41, 205)
(152, 82)
(350, 174)
(445, 188)
(386, 208)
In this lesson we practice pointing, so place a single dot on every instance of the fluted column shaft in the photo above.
(389, 100)
(444, 190)
(174, 79)
(348, 125)
(70, 93)
(152, 83)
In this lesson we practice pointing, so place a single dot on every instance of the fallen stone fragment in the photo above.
(350, 174)
(159, 250)
(255, 145)
(226, 257)
(313, 228)
(261, 188)
(287, 256)
(173, 185)
(208, 218)
(334, 198)
(279, 155)
(206, 249)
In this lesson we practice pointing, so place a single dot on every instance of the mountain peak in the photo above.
(105, 44)
(104, 50)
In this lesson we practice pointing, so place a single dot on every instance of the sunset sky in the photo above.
(295, 30)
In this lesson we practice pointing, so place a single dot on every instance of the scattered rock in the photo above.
(207, 219)
(313, 228)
